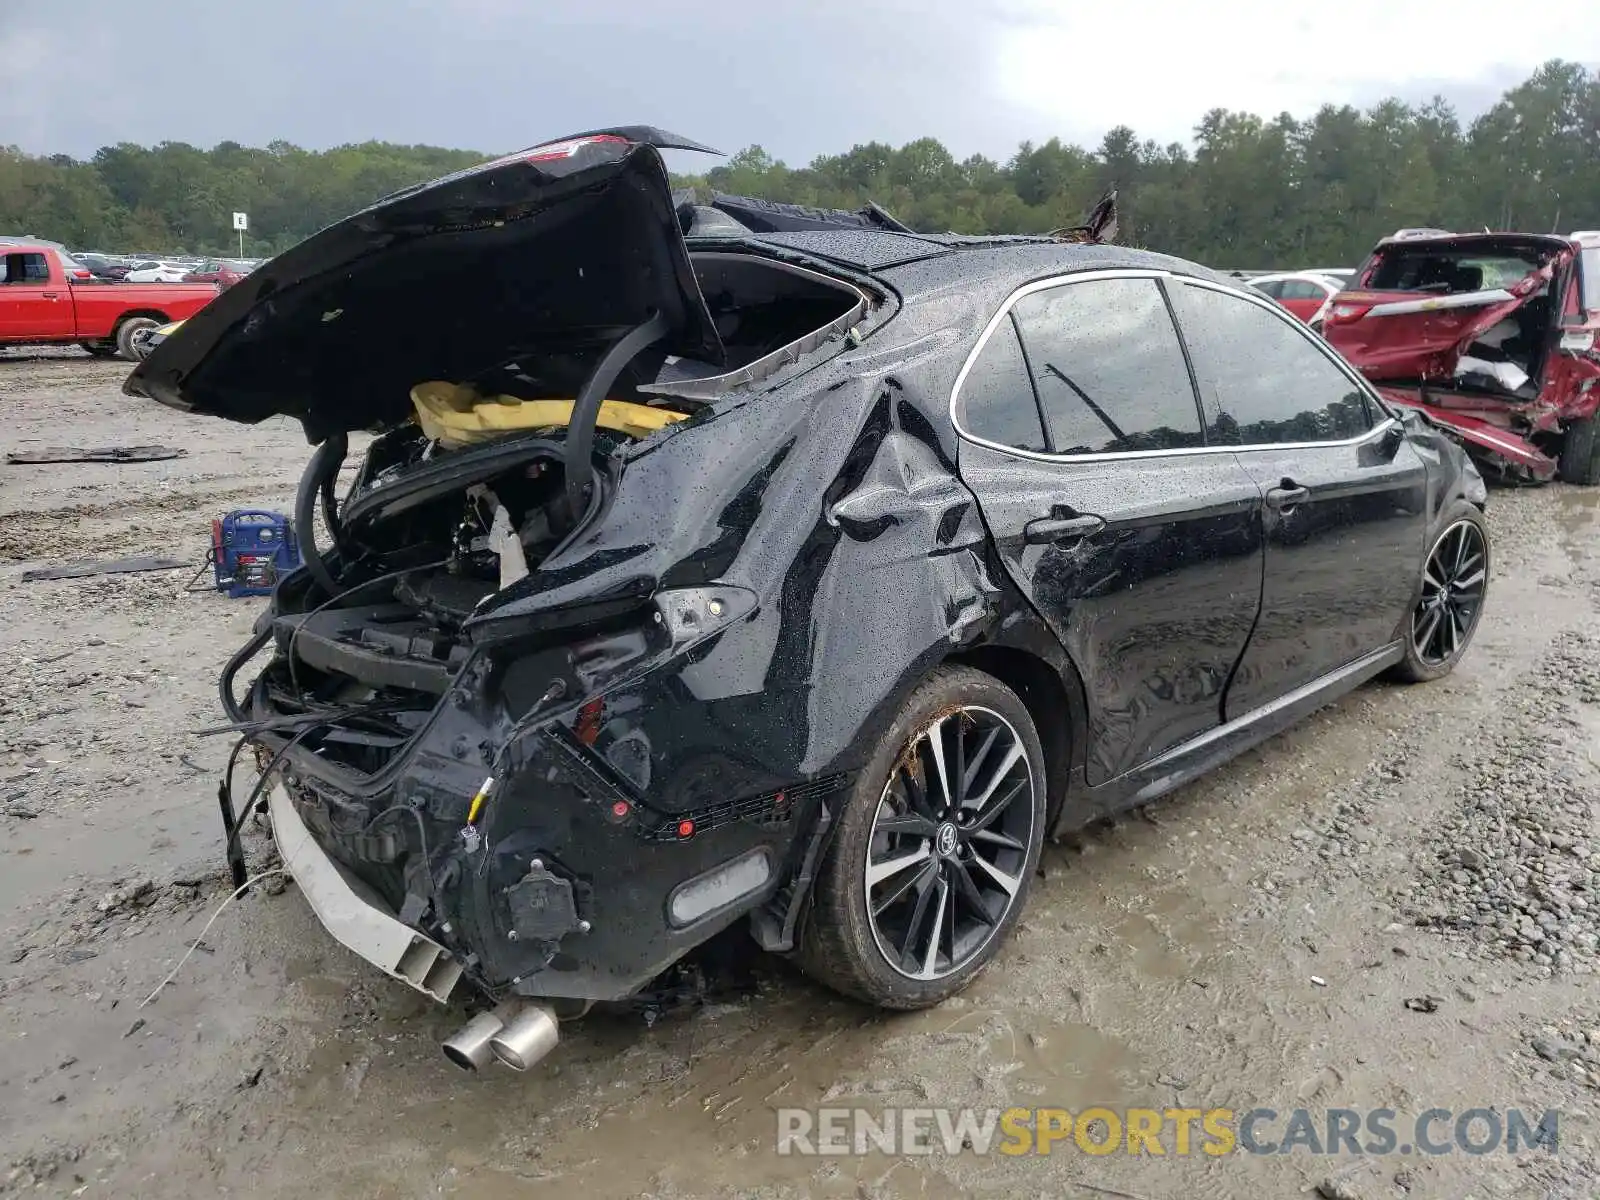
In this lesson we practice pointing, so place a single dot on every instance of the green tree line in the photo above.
(1249, 192)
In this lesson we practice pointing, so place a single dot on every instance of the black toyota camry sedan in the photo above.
(732, 562)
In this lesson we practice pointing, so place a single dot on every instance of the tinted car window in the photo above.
(997, 401)
(1300, 289)
(1273, 288)
(1261, 380)
(1108, 367)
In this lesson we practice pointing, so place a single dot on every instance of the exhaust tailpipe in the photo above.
(468, 1047)
(526, 1037)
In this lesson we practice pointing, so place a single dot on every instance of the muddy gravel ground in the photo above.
(1396, 905)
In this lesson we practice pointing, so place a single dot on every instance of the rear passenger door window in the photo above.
(1108, 368)
(1262, 381)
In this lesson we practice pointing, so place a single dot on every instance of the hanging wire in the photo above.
(234, 895)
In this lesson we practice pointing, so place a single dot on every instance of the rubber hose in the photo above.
(586, 409)
(330, 508)
(324, 466)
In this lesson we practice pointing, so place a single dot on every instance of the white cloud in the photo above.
(1159, 65)
(801, 77)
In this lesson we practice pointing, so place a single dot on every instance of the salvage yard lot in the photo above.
(1252, 941)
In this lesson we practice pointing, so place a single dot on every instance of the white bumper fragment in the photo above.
(353, 913)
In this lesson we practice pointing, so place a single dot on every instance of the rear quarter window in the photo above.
(996, 400)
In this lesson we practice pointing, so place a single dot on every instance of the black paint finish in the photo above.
(1333, 588)
(1156, 612)
(1153, 602)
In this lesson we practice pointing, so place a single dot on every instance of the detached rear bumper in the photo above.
(353, 913)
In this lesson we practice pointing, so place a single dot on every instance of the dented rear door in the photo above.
(1141, 549)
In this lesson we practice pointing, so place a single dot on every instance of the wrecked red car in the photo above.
(1492, 337)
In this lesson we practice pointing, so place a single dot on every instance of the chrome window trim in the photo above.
(1260, 301)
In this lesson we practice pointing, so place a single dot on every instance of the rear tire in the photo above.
(125, 332)
(1580, 452)
(912, 937)
(1450, 601)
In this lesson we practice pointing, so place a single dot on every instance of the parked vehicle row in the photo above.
(152, 268)
(1304, 293)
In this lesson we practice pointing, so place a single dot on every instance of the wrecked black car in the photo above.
(801, 577)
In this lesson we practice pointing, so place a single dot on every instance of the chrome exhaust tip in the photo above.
(468, 1047)
(526, 1037)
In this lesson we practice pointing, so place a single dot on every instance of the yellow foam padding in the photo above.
(457, 415)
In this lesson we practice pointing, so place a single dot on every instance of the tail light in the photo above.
(556, 151)
(80, 273)
(1339, 313)
(553, 152)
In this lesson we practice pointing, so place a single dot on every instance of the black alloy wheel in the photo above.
(949, 843)
(1450, 600)
(1453, 585)
(937, 844)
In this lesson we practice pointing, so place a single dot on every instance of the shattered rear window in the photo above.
(1417, 269)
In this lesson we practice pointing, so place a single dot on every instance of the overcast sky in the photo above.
(801, 78)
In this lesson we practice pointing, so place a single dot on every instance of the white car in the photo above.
(158, 272)
(1304, 293)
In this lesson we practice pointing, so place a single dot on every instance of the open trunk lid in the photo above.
(563, 246)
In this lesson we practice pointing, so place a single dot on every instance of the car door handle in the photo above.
(1287, 496)
(1062, 529)
(50, 295)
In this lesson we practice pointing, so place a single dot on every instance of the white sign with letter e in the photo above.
(241, 221)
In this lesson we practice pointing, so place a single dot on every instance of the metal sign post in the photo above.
(241, 222)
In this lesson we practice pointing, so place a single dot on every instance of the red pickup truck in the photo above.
(40, 303)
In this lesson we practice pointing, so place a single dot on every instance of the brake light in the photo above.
(80, 273)
(556, 151)
(1347, 312)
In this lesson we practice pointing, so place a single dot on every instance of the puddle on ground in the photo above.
(1577, 517)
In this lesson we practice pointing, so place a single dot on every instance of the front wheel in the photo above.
(936, 847)
(1455, 582)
